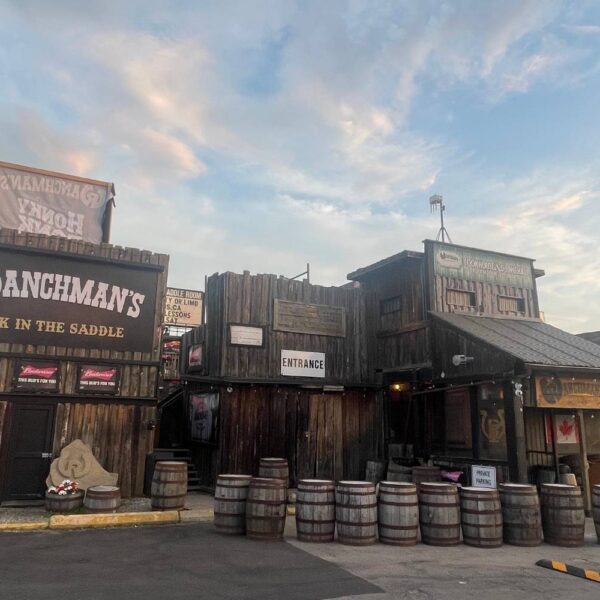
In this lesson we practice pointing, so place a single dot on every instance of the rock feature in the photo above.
(77, 462)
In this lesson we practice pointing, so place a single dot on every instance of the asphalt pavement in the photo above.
(164, 563)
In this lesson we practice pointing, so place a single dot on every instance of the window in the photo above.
(511, 304)
(391, 305)
(462, 298)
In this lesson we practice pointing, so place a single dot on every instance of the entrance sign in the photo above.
(483, 476)
(311, 319)
(183, 307)
(35, 201)
(302, 364)
(74, 301)
(36, 376)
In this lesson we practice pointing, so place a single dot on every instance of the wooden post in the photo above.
(550, 413)
(585, 480)
(515, 435)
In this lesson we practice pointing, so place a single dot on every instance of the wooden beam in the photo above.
(585, 480)
(515, 434)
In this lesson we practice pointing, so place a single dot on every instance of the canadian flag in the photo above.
(566, 429)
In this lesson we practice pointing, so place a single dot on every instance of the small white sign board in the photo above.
(483, 476)
(241, 335)
(302, 364)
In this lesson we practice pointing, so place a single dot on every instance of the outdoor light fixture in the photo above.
(461, 359)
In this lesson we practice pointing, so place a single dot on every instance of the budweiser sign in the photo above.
(98, 379)
(36, 376)
(43, 372)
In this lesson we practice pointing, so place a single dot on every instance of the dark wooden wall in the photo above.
(115, 427)
(324, 435)
(248, 299)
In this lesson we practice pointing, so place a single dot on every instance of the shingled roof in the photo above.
(534, 342)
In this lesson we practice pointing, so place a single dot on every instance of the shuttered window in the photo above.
(511, 304)
(461, 297)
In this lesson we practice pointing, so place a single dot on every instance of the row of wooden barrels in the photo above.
(513, 514)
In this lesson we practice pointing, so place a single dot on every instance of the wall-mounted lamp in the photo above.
(461, 359)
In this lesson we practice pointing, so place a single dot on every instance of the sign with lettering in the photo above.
(244, 335)
(183, 307)
(552, 391)
(483, 476)
(36, 376)
(73, 301)
(302, 364)
(99, 379)
(33, 201)
(471, 264)
(311, 319)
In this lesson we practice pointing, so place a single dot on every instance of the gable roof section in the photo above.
(534, 342)
(591, 336)
(386, 262)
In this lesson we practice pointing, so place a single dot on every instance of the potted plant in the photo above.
(64, 497)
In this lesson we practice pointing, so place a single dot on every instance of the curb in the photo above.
(112, 520)
(24, 525)
(562, 567)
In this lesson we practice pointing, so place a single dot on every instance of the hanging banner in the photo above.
(36, 376)
(204, 417)
(59, 300)
(98, 379)
(183, 307)
(35, 201)
(565, 429)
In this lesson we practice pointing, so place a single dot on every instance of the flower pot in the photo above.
(62, 504)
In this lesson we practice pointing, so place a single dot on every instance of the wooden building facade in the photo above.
(465, 360)
(80, 340)
(281, 368)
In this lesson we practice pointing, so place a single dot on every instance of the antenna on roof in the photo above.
(435, 201)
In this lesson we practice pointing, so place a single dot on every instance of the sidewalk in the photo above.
(132, 512)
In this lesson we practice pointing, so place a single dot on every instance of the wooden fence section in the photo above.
(250, 300)
(323, 435)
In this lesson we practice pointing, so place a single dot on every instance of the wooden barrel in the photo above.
(231, 492)
(169, 485)
(375, 471)
(397, 472)
(563, 516)
(425, 473)
(315, 510)
(596, 508)
(64, 504)
(356, 513)
(481, 517)
(266, 508)
(398, 511)
(102, 499)
(439, 514)
(274, 468)
(521, 514)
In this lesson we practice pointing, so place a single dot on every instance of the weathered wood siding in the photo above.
(447, 341)
(249, 300)
(324, 435)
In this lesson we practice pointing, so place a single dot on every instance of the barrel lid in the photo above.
(234, 476)
(103, 488)
(273, 460)
(437, 484)
(356, 483)
(316, 481)
(558, 486)
(515, 485)
(269, 481)
(400, 484)
(479, 490)
(171, 462)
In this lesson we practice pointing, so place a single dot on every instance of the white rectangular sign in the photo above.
(183, 307)
(242, 335)
(483, 476)
(302, 364)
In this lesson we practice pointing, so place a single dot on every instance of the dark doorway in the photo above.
(28, 451)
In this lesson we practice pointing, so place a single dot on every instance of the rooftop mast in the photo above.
(435, 201)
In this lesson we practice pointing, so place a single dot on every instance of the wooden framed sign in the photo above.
(310, 319)
(247, 335)
(98, 379)
(183, 307)
(36, 376)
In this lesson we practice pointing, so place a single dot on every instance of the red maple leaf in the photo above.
(566, 428)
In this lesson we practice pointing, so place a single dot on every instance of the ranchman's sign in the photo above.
(479, 265)
(33, 201)
(183, 307)
(66, 301)
(553, 391)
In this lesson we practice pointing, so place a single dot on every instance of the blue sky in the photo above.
(262, 134)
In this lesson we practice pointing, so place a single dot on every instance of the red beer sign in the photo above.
(36, 376)
(98, 379)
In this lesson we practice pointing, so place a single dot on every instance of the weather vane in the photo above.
(435, 201)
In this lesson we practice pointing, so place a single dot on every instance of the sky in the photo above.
(261, 135)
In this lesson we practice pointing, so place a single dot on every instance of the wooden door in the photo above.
(320, 438)
(28, 451)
